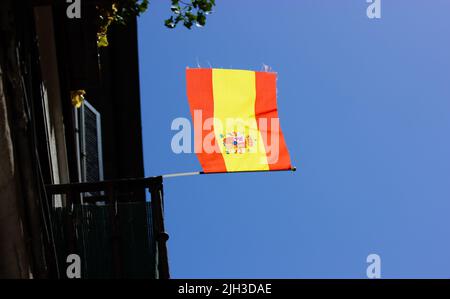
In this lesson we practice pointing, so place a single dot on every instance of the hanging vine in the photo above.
(121, 11)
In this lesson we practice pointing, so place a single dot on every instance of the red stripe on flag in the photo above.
(200, 96)
(266, 107)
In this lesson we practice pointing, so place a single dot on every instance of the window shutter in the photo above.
(90, 142)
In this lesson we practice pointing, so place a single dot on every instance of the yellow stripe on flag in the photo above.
(234, 93)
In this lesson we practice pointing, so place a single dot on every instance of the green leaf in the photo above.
(201, 19)
(169, 23)
(187, 24)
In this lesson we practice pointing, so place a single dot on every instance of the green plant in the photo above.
(127, 9)
(191, 13)
(120, 11)
(117, 11)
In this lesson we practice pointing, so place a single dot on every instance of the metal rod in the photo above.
(159, 232)
(172, 175)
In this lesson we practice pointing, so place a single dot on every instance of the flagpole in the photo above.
(173, 175)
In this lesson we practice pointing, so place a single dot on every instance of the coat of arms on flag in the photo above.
(241, 130)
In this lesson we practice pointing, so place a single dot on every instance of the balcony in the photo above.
(112, 227)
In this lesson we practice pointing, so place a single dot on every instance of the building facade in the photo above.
(72, 176)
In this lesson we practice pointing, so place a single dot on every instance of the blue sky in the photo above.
(365, 109)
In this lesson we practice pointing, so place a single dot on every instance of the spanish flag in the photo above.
(236, 125)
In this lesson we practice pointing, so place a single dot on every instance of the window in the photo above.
(89, 142)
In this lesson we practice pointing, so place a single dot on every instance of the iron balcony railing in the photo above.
(112, 226)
